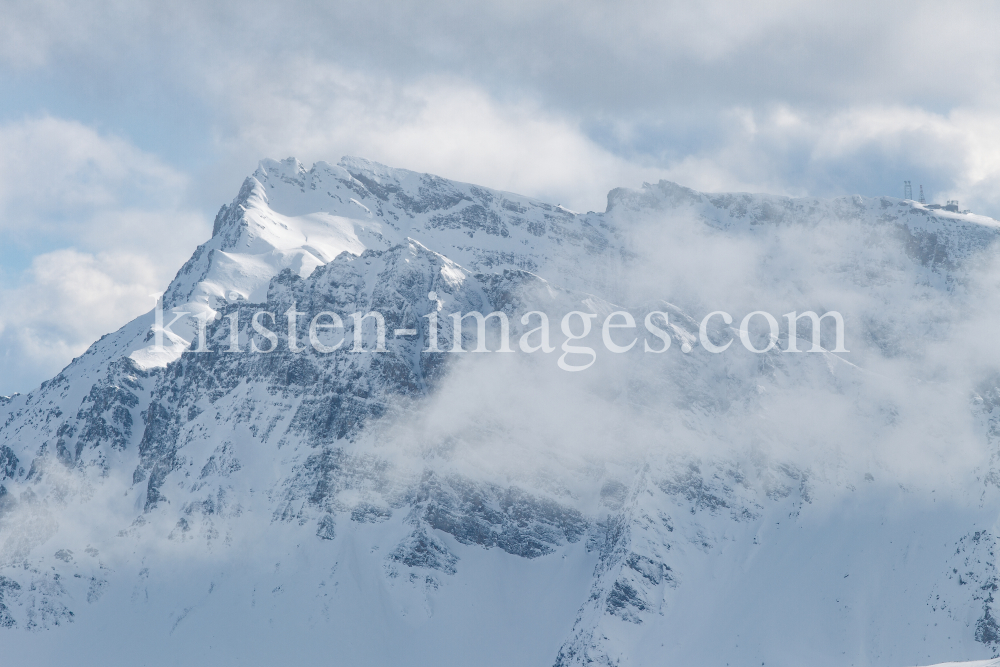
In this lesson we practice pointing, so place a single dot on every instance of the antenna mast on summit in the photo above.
(922, 195)
(907, 190)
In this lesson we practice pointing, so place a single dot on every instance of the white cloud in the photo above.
(316, 111)
(54, 169)
(67, 300)
(106, 225)
(784, 97)
(509, 94)
(595, 54)
(868, 150)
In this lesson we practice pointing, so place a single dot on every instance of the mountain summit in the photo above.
(195, 492)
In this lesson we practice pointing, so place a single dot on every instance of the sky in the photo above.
(125, 126)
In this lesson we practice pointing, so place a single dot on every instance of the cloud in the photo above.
(562, 101)
(441, 126)
(901, 404)
(573, 55)
(557, 100)
(55, 169)
(67, 300)
(867, 150)
(97, 224)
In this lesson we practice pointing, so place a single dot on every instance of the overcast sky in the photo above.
(124, 126)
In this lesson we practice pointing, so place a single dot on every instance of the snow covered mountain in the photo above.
(162, 504)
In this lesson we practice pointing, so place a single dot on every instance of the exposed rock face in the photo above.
(687, 487)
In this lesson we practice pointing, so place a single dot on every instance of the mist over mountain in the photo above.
(174, 497)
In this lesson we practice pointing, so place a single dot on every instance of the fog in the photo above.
(905, 403)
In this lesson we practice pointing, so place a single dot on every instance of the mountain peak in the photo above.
(288, 169)
(654, 493)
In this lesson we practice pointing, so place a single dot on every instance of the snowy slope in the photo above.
(413, 508)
